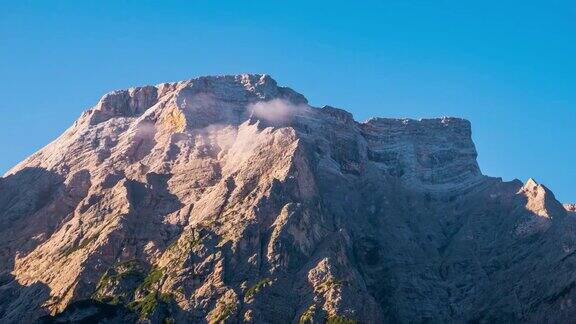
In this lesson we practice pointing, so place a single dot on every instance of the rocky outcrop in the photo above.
(429, 154)
(232, 199)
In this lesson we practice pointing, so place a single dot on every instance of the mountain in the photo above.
(230, 198)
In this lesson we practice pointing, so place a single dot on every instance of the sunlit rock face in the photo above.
(231, 199)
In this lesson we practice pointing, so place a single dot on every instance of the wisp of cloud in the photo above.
(276, 111)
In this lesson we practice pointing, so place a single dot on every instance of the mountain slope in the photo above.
(231, 199)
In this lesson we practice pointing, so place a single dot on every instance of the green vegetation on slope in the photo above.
(257, 287)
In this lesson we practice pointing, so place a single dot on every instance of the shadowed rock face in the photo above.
(231, 199)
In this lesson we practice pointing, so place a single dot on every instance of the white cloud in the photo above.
(276, 111)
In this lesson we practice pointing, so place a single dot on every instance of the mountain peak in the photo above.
(531, 184)
(540, 200)
(230, 198)
(242, 89)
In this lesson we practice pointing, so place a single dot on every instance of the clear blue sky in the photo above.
(508, 66)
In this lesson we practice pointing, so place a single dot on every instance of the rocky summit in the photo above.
(231, 199)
